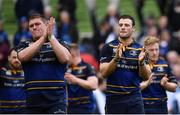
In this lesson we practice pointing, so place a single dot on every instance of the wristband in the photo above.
(51, 37)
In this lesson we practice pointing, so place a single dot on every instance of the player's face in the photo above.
(153, 51)
(125, 28)
(37, 27)
(13, 60)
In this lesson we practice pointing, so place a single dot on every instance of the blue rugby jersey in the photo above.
(155, 92)
(44, 79)
(77, 95)
(12, 92)
(125, 79)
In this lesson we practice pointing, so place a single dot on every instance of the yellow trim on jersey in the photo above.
(78, 98)
(78, 68)
(130, 58)
(80, 75)
(118, 86)
(43, 81)
(13, 78)
(113, 46)
(154, 98)
(116, 92)
(162, 65)
(157, 74)
(16, 101)
(22, 106)
(131, 48)
(39, 88)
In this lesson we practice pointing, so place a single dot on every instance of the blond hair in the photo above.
(150, 40)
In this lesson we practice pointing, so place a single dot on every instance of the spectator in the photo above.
(69, 6)
(67, 31)
(4, 45)
(25, 7)
(22, 33)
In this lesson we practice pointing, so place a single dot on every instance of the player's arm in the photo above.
(61, 52)
(90, 84)
(27, 53)
(145, 84)
(144, 69)
(106, 68)
(170, 86)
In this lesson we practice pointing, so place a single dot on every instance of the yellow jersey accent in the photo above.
(79, 98)
(78, 68)
(37, 88)
(43, 81)
(118, 86)
(16, 101)
(154, 98)
(162, 65)
(116, 92)
(22, 106)
(13, 78)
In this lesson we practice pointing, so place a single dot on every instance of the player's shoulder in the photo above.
(162, 60)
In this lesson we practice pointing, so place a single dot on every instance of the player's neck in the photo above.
(76, 61)
(126, 41)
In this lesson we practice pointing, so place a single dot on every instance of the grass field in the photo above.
(125, 7)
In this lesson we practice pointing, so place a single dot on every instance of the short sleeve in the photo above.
(106, 54)
(90, 71)
(171, 75)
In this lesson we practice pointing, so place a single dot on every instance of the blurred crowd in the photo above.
(166, 28)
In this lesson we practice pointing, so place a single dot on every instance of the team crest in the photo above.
(69, 70)
(133, 53)
(160, 69)
(79, 71)
(114, 50)
(8, 72)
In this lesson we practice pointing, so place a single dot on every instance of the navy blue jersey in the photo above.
(44, 77)
(12, 92)
(77, 95)
(155, 91)
(125, 79)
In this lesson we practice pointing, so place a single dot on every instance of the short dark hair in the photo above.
(12, 49)
(34, 15)
(128, 17)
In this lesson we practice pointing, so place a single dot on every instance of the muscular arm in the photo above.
(108, 68)
(170, 86)
(144, 84)
(90, 84)
(61, 52)
(144, 71)
(27, 53)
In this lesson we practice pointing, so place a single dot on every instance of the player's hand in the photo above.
(142, 55)
(50, 26)
(120, 49)
(71, 79)
(164, 80)
(150, 80)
